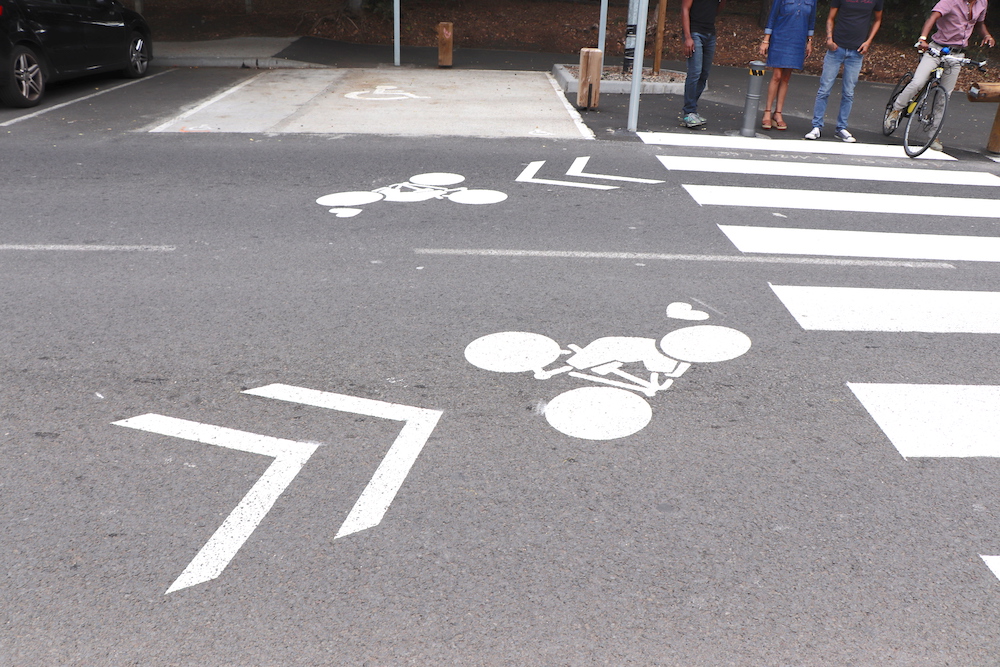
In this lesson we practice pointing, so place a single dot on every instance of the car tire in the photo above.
(137, 63)
(26, 79)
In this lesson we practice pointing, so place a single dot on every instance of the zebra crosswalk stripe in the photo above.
(782, 145)
(861, 202)
(847, 243)
(833, 171)
(896, 310)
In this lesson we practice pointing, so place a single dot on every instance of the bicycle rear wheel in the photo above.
(903, 82)
(926, 120)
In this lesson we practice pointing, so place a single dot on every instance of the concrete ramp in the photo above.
(403, 102)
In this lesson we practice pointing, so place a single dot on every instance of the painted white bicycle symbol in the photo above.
(384, 93)
(422, 187)
(616, 409)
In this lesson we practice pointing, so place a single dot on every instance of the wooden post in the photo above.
(445, 41)
(661, 19)
(589, 82)
(989, 92)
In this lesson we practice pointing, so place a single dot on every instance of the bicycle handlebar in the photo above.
(944, 55)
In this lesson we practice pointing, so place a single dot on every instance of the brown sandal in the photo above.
(779, 124)
(766, 121)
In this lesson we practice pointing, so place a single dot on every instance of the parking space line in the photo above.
(80, 99)
(90, 248)
(573, 254)
(206, 103)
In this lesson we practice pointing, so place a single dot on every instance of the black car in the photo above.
(48, 40)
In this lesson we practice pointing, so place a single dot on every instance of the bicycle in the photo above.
(926, 111)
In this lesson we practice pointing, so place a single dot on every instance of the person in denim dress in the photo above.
(787, 43)
(850, 29)
(698, 24)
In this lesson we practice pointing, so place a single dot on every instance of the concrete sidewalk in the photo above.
(966, 130)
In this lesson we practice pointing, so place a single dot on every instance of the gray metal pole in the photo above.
(640, 52)
(395, 30)
(603, 29)
(752, 102)
(630, 34)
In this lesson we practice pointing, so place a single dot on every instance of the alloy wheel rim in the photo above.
(28, 75)
(138, 55)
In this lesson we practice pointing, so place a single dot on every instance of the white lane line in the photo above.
(839, 171)
(573, 113)
(995, 158)
(739, 259)
(210, 101)
(374, 501)
(576, 169)
(80, 99)
(783, 145)
(896, 310)
(289, 457)
(927, 420)
(844, 243)
(992, 562)
(528, 176)
(89, 248)
(861, 202)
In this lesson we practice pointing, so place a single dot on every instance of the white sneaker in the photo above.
(845, 136)
(936, 145)
(813, 133)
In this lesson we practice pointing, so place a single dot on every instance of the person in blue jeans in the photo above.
(698, 23)
(850, 28)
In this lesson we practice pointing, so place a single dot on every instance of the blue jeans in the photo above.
(699, 65)
(851, 60)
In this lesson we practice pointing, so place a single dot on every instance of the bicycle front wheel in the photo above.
(903, 82)
(926, 120)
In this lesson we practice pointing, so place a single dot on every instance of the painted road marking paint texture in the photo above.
(402, 102)
(289, 458)
(781, 145)
(941, 421)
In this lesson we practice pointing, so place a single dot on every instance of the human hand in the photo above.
(809, 48)
(989, 41)
(863, 49)
(763, 48)
(688, 47)
(831, 45)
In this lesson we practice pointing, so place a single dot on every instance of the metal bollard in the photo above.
(753, 98)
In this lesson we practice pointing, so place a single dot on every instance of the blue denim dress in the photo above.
(790, 25)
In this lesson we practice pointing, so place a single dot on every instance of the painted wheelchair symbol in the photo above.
(422, 187)
(616, 409)
(384, 93)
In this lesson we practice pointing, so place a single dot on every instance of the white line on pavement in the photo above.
(528, 176)
(90, 248)
(860, 202)
(374, 501)
(576, 169)
(79, 99)
(896, 310)
(839, 171)
(289, 457)
(782, 145)
(930, 420)
(208, 102)
(642, 256)
(573, 113)
(844, 243)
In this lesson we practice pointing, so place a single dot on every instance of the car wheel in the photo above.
(138, 56)
(26, 81)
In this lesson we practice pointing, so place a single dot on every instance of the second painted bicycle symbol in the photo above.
(617, 408)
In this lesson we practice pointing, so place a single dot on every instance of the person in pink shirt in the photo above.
(955, 21)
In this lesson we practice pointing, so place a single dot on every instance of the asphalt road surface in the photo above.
(529, 400)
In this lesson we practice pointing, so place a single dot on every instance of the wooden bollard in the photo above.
(589, 82)
(989, 92)
(445, 41)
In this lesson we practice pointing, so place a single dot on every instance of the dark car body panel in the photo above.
(71, 37)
